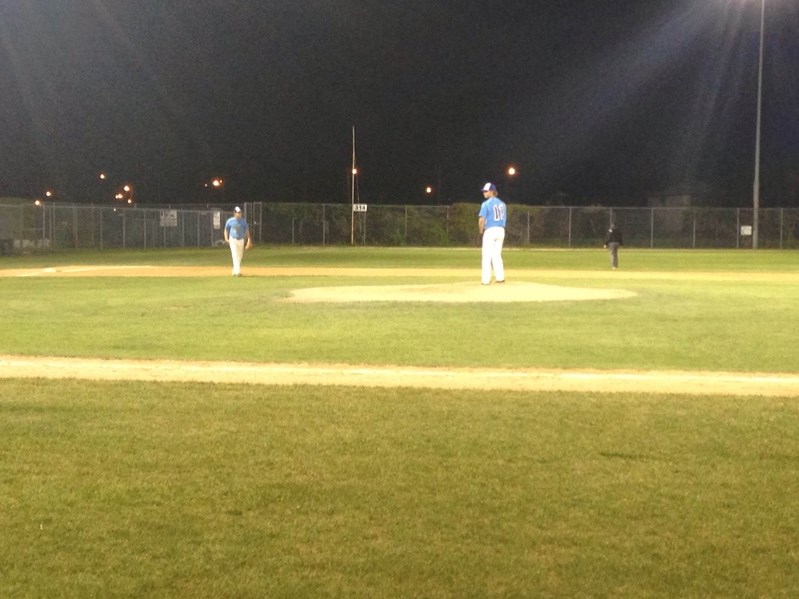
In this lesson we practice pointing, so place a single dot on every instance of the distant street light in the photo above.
(756, 186)
(125, 194)
(510, 174)
(428, 190)
(218, 183)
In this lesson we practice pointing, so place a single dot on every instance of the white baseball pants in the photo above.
(237, 252)
(493, 238)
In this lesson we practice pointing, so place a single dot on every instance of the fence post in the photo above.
(405, 233)
(652, 229)
(528, 226)
(693, 242)
(570, 225)
(782, 216)
(737, 228)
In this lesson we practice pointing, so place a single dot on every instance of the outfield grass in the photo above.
(193, 490)
(131, 489)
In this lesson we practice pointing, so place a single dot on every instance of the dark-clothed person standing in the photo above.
(613, 242)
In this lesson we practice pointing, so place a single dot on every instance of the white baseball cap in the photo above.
(237, 209)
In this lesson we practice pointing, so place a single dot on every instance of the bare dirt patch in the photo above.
(463, 274)
(455, 293)
(694, 383)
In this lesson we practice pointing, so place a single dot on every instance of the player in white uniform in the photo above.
(237, 232)
(491, 222)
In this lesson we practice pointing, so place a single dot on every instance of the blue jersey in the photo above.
(236, 228)
(495, 213)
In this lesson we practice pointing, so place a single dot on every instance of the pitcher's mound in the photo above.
(456, 293)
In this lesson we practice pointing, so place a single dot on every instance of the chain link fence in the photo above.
(50, 226)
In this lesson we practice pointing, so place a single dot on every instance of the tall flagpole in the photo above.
(756, 186)
(354, 171)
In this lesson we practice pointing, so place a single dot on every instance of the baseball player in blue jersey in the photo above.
(491, 222)
(237, 232)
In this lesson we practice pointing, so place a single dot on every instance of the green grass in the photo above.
(591, 259)
(742, 325)
(144, 489)
(196, 490)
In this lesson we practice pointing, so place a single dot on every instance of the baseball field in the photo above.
(374, 422)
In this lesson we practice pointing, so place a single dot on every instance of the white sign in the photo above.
(359, 207)
(746, 230)
(169, 218)
(217, 220)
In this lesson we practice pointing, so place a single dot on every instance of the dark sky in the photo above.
(592, 101)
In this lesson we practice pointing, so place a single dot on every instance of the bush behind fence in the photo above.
(24, 226)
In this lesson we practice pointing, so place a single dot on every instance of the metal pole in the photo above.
(352, 191)
(570, 226)
(528, 226)
(405, 231)
(782, 219)
(756, 187)
(652, 229)
(737, 228)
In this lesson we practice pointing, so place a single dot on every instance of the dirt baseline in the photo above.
(683, 382)
(679, 382)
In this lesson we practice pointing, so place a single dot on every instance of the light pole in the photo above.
(354, 171)
(756, 186)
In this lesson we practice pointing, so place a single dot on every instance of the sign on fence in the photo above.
(359, 207)
(169, 218)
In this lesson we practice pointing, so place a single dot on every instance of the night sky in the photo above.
(593, 102)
